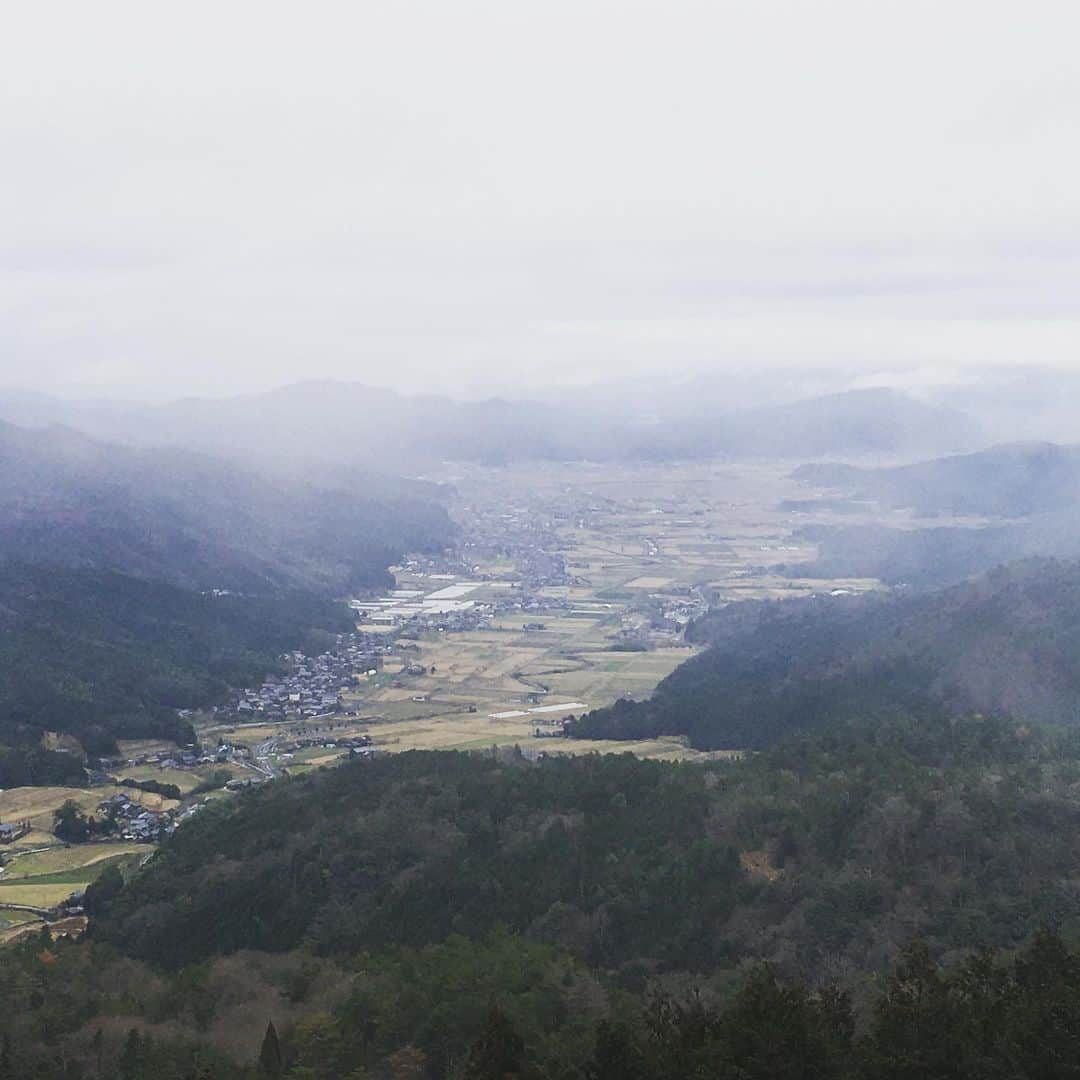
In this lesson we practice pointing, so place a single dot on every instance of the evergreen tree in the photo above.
(98, 1046)
(7, 1062)
(131, 1059)
(498, 1051)
(270, 1063)
(615, 1056)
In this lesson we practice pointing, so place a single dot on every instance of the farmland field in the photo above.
(76, 860)
(644, 547)
(43, 878)
(36, 894)
(185, 779)
(579, 581)
(37, 804)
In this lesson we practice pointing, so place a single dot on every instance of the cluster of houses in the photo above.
(135, 821)
(314, 684)
(187, 758)
(327, 742)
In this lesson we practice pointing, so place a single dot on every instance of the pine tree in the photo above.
(615, 1057)
(131, 1057)
(7, 1063)
(270, 1063)
(497, 1053)
(98, 1046)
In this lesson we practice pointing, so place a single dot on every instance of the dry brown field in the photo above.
(37, 804)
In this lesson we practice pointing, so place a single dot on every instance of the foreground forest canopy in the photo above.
(582, 915)
(1008, 642)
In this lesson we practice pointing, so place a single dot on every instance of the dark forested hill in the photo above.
(936, 556)
(840, 846)
(102, 655)
(1007, 642)
(440, 912)
(199, 522)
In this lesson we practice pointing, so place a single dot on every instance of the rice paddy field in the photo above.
(39, 870)
(45, 876)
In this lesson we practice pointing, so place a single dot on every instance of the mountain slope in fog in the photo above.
(194, 521)
(855, 422)
(1004, 481)
(1008, 642)
(112, 562)
(1030, 491)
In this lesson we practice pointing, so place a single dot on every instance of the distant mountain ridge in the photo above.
(875, 421)
(324, 421)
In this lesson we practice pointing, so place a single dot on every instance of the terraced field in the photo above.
(44, 876)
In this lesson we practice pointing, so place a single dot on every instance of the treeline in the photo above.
(987, 1016)
(23, 766)
(1008, 642)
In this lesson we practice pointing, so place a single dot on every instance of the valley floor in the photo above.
(571, 588)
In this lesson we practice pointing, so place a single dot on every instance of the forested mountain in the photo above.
(583, 853)
(100, 655)
(113, 562)
(937, 556)
(438, 911)
(1008, 642)
(347, 422)
(199, 522)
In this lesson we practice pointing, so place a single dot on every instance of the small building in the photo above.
(10, 831)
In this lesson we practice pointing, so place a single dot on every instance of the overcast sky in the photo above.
(208, 197)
